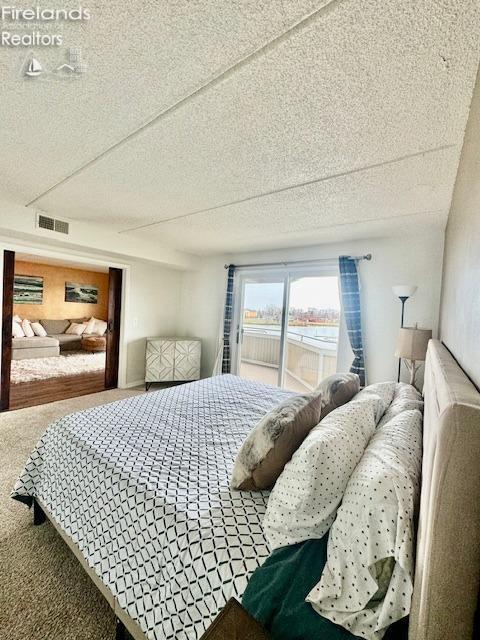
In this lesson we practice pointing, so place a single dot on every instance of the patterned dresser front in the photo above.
(172, 359)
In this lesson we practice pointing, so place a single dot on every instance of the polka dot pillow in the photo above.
(367, 582)
(305, 498)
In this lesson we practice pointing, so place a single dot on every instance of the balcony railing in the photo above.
(308, 360)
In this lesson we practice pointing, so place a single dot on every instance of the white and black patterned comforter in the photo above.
(142, 487)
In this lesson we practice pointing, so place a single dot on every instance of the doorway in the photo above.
(287, 326)
(60, 330)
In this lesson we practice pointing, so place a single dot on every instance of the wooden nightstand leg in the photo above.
(39, 516)
(121, 632)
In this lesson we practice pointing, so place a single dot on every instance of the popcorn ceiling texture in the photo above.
(347, 103)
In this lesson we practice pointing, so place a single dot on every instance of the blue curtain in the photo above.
(350, 292)
(227, 322)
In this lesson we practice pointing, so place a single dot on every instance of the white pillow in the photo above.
(38, 329)
(17, 331)
(100, 327)
(76, 329)
(367, 583)
(27, 329)
(305, 498)
(16, 318)
(90, 326)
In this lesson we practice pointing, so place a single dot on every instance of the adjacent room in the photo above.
(240, 326)
(59, 325)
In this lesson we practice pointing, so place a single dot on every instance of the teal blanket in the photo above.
(276, 593)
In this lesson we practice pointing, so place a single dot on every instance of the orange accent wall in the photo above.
(54, 306)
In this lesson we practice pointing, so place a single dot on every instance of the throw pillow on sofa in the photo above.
(38, 330)
(95, 327)
(27, 329)
(76, 329)
(100, 327)
(90, 326)
(17, 331)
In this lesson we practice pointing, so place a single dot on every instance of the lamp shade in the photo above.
(412, 343)
(404, 290)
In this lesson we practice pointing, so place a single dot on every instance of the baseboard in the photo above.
(129, 385)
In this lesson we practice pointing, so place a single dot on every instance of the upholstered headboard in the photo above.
(447, 574)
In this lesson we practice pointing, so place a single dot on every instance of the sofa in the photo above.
(36, 347)
(55, 342)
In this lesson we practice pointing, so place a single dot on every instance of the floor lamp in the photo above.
(404, 292)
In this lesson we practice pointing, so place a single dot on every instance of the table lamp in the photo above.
(412, 346)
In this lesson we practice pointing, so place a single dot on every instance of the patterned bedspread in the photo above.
(142, 487)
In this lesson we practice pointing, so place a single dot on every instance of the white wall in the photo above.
(408, 260)
(201, 306)
(154, 302)
(460, 310)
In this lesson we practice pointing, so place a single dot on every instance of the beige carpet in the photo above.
(44, 592)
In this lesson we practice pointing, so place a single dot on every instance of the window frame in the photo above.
(286, 274)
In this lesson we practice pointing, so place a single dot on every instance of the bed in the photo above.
(139, 489)
(149, 514)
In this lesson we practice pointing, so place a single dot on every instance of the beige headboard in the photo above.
(447, 573)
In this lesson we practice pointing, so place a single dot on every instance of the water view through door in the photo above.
(288, 330)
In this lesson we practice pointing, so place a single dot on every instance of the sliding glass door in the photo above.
(287, 326)
(259, 330)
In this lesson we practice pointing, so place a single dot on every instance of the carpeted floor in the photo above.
(44, 592)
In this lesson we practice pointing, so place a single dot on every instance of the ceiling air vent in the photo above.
(61, 226)
(45, 222)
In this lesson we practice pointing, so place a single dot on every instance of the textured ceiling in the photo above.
(216, 126)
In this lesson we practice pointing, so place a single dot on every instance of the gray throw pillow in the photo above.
(338, 389)
(274, 440)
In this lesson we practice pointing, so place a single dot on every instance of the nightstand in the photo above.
(234, 623)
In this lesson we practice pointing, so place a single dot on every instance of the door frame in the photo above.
(113, 327)
(8, 272)
(87, 259)
(287, 273)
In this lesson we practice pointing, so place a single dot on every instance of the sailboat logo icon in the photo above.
(34, 68)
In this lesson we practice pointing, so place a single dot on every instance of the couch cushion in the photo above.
(65, 338)
(37, 352)
(35, 342)
(54, 327)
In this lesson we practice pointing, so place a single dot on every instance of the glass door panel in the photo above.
(260, 329)
(312, 331)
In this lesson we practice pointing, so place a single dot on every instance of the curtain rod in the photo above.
(367, 256)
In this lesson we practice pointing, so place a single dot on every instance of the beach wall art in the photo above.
(27, 289)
